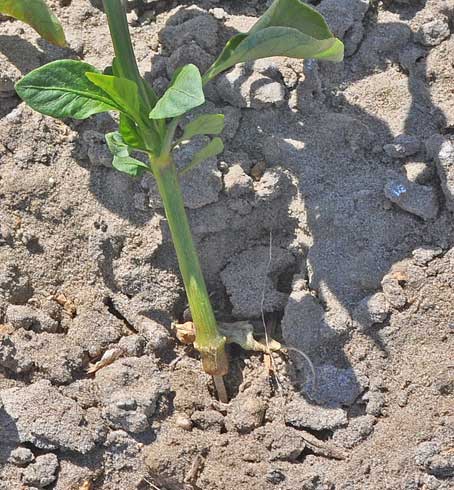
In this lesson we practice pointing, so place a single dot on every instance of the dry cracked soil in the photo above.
(348, 168)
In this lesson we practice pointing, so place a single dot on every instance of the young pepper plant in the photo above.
(36, 14)
(149, 124)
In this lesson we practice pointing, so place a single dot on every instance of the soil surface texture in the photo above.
(342, 173)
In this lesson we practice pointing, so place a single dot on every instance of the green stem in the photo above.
(209, 342)
(127, 64)
(124, 52)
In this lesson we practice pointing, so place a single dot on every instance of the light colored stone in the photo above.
(441, 150)
(434, 32)
(21, 456)
(420, 200)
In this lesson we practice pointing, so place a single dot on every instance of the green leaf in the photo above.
(61, 89)
(184, 93)
(130, 134)
(151, 95)
(129, 165)
(223, 61)
(213, 148)
(117, 145)
(36, 14)
(288, 28)
(147, 96)
(122, 161)
(294, 14)
(204, 124)
(121, 90)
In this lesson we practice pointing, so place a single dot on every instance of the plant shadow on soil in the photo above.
(26, 57)
(355, 240)
(9, 437)
(6, 43)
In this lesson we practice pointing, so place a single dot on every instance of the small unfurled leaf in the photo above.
(129, 165)
(61, 89)
(204, 124)
(288, 28)
(36, 14)
(121, 90)
(213, 148)
(122, 161)
(117, 145)
(130, 134)
(184, 93)
(150, 93)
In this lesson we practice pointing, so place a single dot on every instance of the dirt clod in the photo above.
(48, 420)
(41, 473)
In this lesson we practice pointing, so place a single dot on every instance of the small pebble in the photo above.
(434, 32)
(275, 476)
(21, 456)
(127, 404)
(258, 170)
(133, 18)
(223, 167)
(420, 200)
(132, 345)
(219, 13)
(183, 422)
(403, 146)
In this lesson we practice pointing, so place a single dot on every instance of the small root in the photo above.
(220, 389)
(191, 477)
(311, 365)
(152, 485)
(268, 357)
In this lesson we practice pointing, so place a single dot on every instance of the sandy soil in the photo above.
(348, 168)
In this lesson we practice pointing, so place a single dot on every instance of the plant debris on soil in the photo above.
(350, 166)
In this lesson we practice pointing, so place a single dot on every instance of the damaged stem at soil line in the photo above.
(209, 342)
